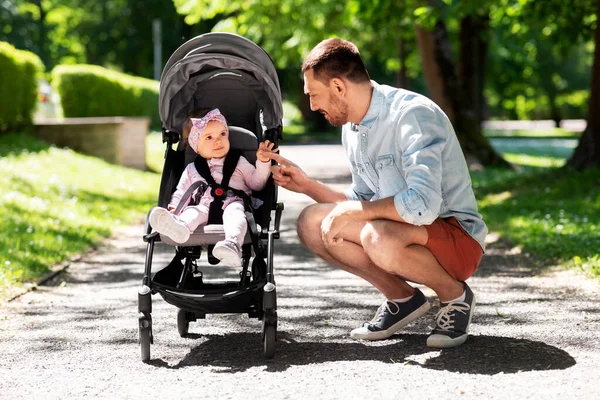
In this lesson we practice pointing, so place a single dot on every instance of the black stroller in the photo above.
(229, 72)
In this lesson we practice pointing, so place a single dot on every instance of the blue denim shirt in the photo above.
(405, 148)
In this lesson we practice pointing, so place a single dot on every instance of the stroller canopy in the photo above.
(221, 70)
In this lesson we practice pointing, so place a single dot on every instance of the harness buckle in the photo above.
(218, 192)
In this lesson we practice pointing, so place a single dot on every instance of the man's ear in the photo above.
(339, 86)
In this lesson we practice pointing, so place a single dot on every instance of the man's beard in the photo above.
(339, 112)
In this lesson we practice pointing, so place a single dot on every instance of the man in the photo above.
(410, 213)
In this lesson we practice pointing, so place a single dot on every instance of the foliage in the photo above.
(20, 71)
(57, 203)
(538, 64)
(537, 61)
(111, 33)
(93, 91)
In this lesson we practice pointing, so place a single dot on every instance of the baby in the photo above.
(209, 137)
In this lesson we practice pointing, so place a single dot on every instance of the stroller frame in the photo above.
(181, 283)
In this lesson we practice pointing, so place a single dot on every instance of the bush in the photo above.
(93, 91)
(19, 71)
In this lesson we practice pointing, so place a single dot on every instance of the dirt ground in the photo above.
(534, 334)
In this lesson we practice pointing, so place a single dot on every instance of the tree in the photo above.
(587, 153)
(287, 29)
(459, 89)
(559, 18)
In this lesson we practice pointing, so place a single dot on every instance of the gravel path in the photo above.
(534, 335)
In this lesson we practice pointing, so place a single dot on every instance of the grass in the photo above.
(552, 214)
(526, 133)
(155, 152)
(56, 203)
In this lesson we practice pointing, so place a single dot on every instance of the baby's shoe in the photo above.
(169, 225)
(229, 252)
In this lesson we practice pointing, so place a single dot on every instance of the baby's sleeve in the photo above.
(255, 177)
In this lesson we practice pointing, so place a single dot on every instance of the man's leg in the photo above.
(349, 255)
(385, 253)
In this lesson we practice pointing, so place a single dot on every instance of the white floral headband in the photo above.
(199, 124)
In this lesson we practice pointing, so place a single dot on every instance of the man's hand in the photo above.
(265, 151)
(337, 219)
(289, 175)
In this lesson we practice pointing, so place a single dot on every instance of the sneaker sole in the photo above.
(443, 342)
(163, 219)
(363, 334)
(227, 256)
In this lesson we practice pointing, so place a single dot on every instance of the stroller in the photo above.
(229, 72)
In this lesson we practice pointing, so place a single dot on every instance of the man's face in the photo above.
(326, 99)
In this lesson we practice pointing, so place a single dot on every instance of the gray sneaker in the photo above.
(391, 317)
(452, 322)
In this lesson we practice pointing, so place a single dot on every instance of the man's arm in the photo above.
(292, 177)
(322, 193)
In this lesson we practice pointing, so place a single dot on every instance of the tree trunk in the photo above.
(587, 153)
(461, 97)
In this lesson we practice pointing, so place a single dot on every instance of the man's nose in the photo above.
(313, 106)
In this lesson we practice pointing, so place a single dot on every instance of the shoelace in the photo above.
(444, 317)
(379, 314)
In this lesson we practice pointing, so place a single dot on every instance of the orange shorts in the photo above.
(457, 252)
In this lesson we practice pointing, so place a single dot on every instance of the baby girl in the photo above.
(209, 137)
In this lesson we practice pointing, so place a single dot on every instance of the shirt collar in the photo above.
(374, 108)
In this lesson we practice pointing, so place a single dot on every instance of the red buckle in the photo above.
(219, 192)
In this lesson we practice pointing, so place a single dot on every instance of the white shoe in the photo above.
(165, 223)
(228, 252)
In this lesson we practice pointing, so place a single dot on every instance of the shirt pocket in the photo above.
(391, 180)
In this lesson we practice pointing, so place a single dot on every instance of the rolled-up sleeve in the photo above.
(421, 139)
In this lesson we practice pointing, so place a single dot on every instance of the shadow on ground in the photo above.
(485, 355)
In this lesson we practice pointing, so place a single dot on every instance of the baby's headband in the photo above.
(199, 124)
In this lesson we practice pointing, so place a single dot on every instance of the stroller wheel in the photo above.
(183, 325)
(269, 338)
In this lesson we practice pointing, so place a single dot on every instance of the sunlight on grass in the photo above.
(553, 214)
(534, 161)
(496, 198)
(155, 152)
(57, 203)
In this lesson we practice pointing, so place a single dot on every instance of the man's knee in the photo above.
(372, 236)
(381, 235)
(309, 225)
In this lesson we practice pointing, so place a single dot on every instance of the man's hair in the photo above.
(336, 58)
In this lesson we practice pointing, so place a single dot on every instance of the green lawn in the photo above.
(552, 214)
(56, 203)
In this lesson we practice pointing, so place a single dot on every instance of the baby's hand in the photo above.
(265, 149)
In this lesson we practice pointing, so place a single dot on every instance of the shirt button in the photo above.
(379, 165)
(367, 164)
(364, 135)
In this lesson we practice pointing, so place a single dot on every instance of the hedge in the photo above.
(94, 91)
(20, 71)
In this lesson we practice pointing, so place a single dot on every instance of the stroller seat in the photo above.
(204, 235)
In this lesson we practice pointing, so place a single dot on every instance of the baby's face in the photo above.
(214, 141)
